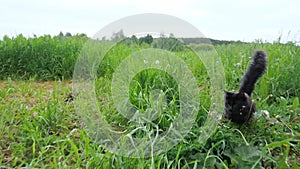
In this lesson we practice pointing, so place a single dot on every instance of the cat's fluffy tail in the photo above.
(255, 70)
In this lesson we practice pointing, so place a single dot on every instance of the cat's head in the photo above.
(239, 107)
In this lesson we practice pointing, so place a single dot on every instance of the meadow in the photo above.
(39, 127)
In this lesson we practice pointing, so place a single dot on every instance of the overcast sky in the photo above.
(218, 19)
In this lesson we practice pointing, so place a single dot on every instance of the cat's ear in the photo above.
(228, 94)
(242, 95)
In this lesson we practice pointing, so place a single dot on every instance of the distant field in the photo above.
(39, 127)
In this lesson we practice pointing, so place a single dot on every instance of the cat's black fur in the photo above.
(239, 107)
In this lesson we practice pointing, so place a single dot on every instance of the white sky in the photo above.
(218, 19)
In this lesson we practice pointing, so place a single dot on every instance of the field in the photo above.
(39, 127)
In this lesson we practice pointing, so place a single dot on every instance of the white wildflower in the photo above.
(265, 113)
(34, 114)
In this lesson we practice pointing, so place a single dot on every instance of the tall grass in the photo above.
(38, 129)
(282, 76)
(44, 58)
(50, 58)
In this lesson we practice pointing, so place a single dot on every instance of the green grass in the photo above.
(44, 58)
(38, 129)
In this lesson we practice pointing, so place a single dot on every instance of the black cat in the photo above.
(239, 107)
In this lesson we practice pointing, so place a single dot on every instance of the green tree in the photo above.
(118, 36)
(147, 39)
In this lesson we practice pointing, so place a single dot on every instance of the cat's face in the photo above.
(239, 107)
